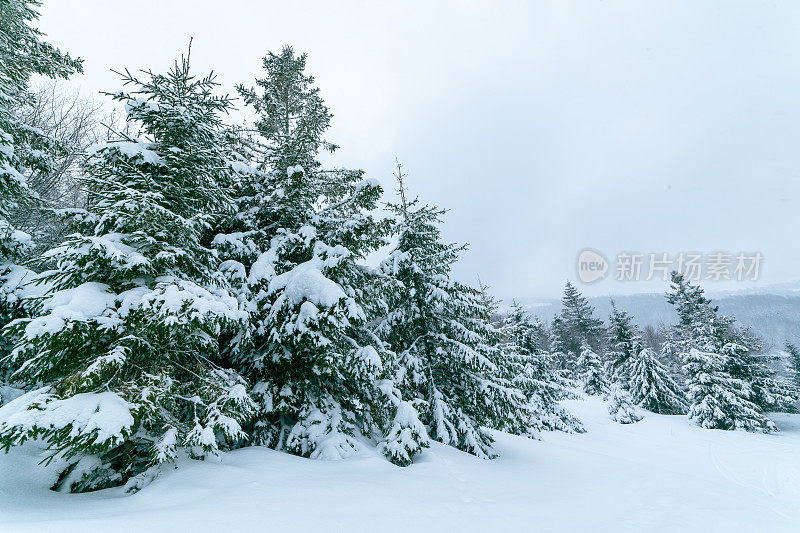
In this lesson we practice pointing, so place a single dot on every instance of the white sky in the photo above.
(544, 127)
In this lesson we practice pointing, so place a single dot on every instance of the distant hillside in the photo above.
(773, 313)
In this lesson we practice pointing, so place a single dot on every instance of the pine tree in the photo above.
(23, 149)
(512, 379)
(540, 338)
(729, 386)
(407, 436)
(448, 359)
(534, 372)
(591, 372)
(623, 341)
(651, 386)
(752, 365)
(315, 362)
(292, 121)
(298, 234)
(620, 406)
(720, 401)
(794, 361)
(127, 340)
(562, 359)
(690, 304)
(574, 327)
(670, 355)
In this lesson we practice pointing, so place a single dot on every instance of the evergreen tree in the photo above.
(23, 149)
(447, 354)
(562, 359)
(314, 359)
(690, 304)
(407, 436)
(651, 386)
(729, 386)
(620, 405)
(750, 364)
(126, 342)
(292, 121)
(591, 372)
(534, 373)
(521, 416)
(623, 342)
(298, 234)
(794, 361)
(720, 401)
(670, 355)
(540, 338)
(574, 327)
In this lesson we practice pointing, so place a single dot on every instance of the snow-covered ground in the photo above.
(661, 474)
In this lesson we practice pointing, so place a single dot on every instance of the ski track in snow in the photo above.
(660, 474)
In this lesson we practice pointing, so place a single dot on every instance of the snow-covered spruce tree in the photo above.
(574, 327)
(447, 350)
(292, 120)
(651, 386)
(407, 435)
(534, 374)
(520, 416)
(299, 233)
(729, 386)
(540, 339)
(638, 369)
(591, 372)
(314, 360)
(23, 149)
(670, 354)
(126, 341)
(620, 405)
(718, 400)
(562, 359)
(793, 353)
(751, 364)
(623, 341)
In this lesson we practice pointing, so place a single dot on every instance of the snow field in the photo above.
(660, 474)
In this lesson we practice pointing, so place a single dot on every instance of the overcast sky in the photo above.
(544, 127)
